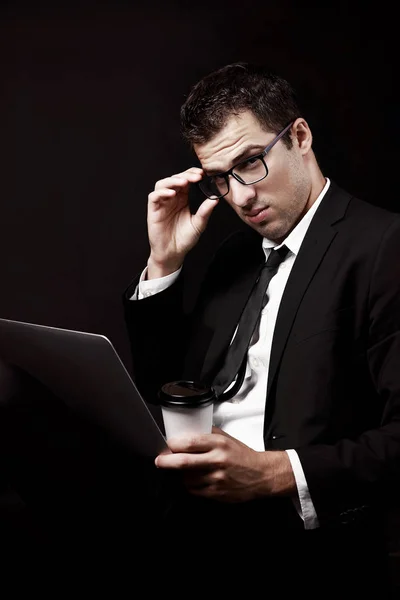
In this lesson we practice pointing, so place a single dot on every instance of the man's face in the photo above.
(276, 204)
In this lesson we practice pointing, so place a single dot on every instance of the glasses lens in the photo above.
(214, 187)
(251, 170)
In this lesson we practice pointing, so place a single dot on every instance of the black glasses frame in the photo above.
(260, 156)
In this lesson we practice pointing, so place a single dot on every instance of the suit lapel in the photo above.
(316, 243)
(309, 258)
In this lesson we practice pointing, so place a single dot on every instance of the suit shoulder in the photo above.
(373, 211)
(374, 224)
(366, 215)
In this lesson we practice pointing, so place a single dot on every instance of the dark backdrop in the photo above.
(89, 120)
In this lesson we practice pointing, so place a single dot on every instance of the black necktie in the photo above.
(236, 357)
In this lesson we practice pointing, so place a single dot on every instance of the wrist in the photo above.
(282, 481)
(156, 270)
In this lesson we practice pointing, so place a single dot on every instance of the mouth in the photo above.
(257, 215)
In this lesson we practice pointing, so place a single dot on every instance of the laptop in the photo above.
(85, 371)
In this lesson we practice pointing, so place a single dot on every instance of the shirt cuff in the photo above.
(303, 503)
(149, 287)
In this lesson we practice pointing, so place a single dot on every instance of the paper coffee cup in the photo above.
(187, 407)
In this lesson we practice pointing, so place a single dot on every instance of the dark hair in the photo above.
(233, 89)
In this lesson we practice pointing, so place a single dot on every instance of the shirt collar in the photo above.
(295, 238)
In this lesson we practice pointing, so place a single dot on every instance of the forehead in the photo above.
(239, 132)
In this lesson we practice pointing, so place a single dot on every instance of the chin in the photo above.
(265, 229)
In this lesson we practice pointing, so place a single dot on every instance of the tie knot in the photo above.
(276, 257)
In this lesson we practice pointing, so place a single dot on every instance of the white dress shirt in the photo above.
(243, 415)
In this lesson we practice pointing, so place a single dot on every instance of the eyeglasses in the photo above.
(249, 171)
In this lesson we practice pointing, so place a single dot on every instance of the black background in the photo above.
(89, 120)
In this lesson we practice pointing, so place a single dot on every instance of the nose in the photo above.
(240, 194)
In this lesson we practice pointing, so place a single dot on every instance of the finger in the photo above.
(221, 432)
(202, 442)
(195, 170)
(198, 477)
(187, 452)
(182, 461)
(179, 180)
(162, 194)
(174, 182)
(194, 483)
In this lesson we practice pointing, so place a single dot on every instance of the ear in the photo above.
(301, 135)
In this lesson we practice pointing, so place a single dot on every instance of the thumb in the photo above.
(221, 432)
(201, 217)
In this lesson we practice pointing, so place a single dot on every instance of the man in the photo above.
(304, 458)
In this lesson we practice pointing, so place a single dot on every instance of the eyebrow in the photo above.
(245, 153)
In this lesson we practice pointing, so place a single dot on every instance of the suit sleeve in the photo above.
(156, 328)
(346, 478)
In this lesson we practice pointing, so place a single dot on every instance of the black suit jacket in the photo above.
(334, 379)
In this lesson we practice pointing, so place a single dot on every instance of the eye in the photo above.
(250, 163)
(218, 179)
